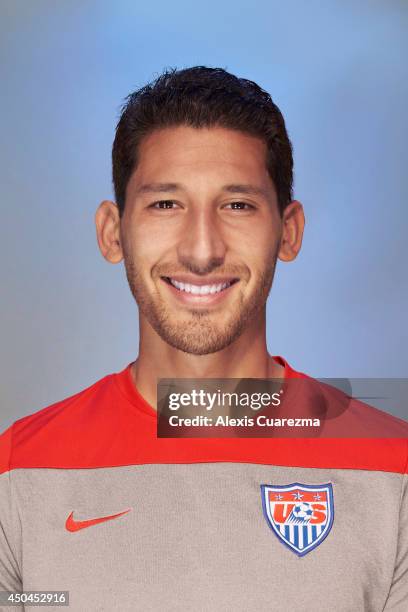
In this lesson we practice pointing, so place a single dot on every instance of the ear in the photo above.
(107, 222)
(293, 223)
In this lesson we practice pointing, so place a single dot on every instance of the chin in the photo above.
(200, 338)
(195, 348)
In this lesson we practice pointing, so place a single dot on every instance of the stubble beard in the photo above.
(198, 332)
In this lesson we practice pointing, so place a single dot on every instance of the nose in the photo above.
(202, 247)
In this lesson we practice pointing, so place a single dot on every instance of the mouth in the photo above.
(199, 288)
(201, 292)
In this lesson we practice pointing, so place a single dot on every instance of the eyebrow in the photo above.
(231, 188)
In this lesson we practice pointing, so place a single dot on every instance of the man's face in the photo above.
(200, 235)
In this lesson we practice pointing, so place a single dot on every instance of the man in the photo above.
(94, 503)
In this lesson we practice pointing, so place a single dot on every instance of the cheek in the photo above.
(257, 234)
(147, 251)
(258, 248)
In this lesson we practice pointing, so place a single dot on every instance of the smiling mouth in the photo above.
(209, 289)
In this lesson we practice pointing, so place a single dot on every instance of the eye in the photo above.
(240, 206)
(163, 204)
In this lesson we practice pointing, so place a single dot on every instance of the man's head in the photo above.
(202, 172)
(202, 97)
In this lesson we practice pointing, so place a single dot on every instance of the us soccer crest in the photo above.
(300, 515)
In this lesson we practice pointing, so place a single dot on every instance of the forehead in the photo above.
(185, 153)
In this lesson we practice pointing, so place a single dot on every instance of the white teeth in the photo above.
(199, 289)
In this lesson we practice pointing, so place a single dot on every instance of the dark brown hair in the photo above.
(202, 97)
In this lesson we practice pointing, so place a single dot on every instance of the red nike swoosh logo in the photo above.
(72, 525)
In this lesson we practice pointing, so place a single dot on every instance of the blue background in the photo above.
(337, 70)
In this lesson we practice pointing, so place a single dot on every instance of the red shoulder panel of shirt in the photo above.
(109, 424)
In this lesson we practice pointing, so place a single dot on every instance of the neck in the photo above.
(246, 357)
